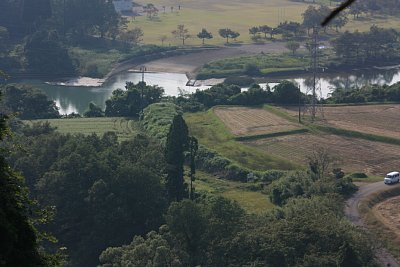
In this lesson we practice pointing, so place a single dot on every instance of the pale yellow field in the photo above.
(236, 15)
(243, 121)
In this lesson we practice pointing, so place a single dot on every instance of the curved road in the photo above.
(353, 214)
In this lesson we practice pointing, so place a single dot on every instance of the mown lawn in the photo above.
(125, 128)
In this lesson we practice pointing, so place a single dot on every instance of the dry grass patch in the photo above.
(383, 120)
(243, 121)
(353, 155)
(388, 213)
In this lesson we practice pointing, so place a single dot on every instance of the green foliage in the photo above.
(216, 232)
(239, 80)
(19, 242)
(251, 69)
(293, 46)
(28, 102)
(130, 102)
(216, 95)
(37, 128)
(157, 119)
(228, 34)
(155, 250)
(267, 64)
(377, 45)
(227, 94)
(358, 175)
(369, 93)
(210, 161)
(313, 16)
(132, 37)
(93, 111)
(177, 143)
(204, 34)
(286, 93)
(19, 239)
(255, 95)
(46, 55)
(104, 192)
(301, 184)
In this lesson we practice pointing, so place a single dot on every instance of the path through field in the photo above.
(353, 214)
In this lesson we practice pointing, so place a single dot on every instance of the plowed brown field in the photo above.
(243, 121)
(371, 119)
(354, 155)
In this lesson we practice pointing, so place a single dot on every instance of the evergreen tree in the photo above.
(177, 144)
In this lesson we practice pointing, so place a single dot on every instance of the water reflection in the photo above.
(76, 99)
(327, 83)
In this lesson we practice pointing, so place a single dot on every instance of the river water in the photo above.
(76, 98)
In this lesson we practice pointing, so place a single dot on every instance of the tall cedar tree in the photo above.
(177, 144)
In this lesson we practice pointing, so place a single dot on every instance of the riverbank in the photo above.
(182, 60)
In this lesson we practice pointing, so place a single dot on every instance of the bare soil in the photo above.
(243, 121)
(381, 120)
(351, 154)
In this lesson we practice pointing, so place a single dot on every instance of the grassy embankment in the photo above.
(212, 133)
(237, 15)
(376, 227)
(267, 64)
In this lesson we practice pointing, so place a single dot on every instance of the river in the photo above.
(76, 98)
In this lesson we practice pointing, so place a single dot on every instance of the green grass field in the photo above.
(237, 15)
(125, 128)
(212, 133)
(251, 201)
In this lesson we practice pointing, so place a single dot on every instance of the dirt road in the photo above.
(189, 63)
(353, 214)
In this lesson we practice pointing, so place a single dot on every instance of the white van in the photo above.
(392, 177)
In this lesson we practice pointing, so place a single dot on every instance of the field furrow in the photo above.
(244, 121)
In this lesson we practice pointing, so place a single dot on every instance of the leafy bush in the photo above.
(28, 102)
(358, 175)
(210, 161)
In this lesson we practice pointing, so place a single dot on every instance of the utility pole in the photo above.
(299, 105)
(314, 70)
(142, 85)
(64, 31)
